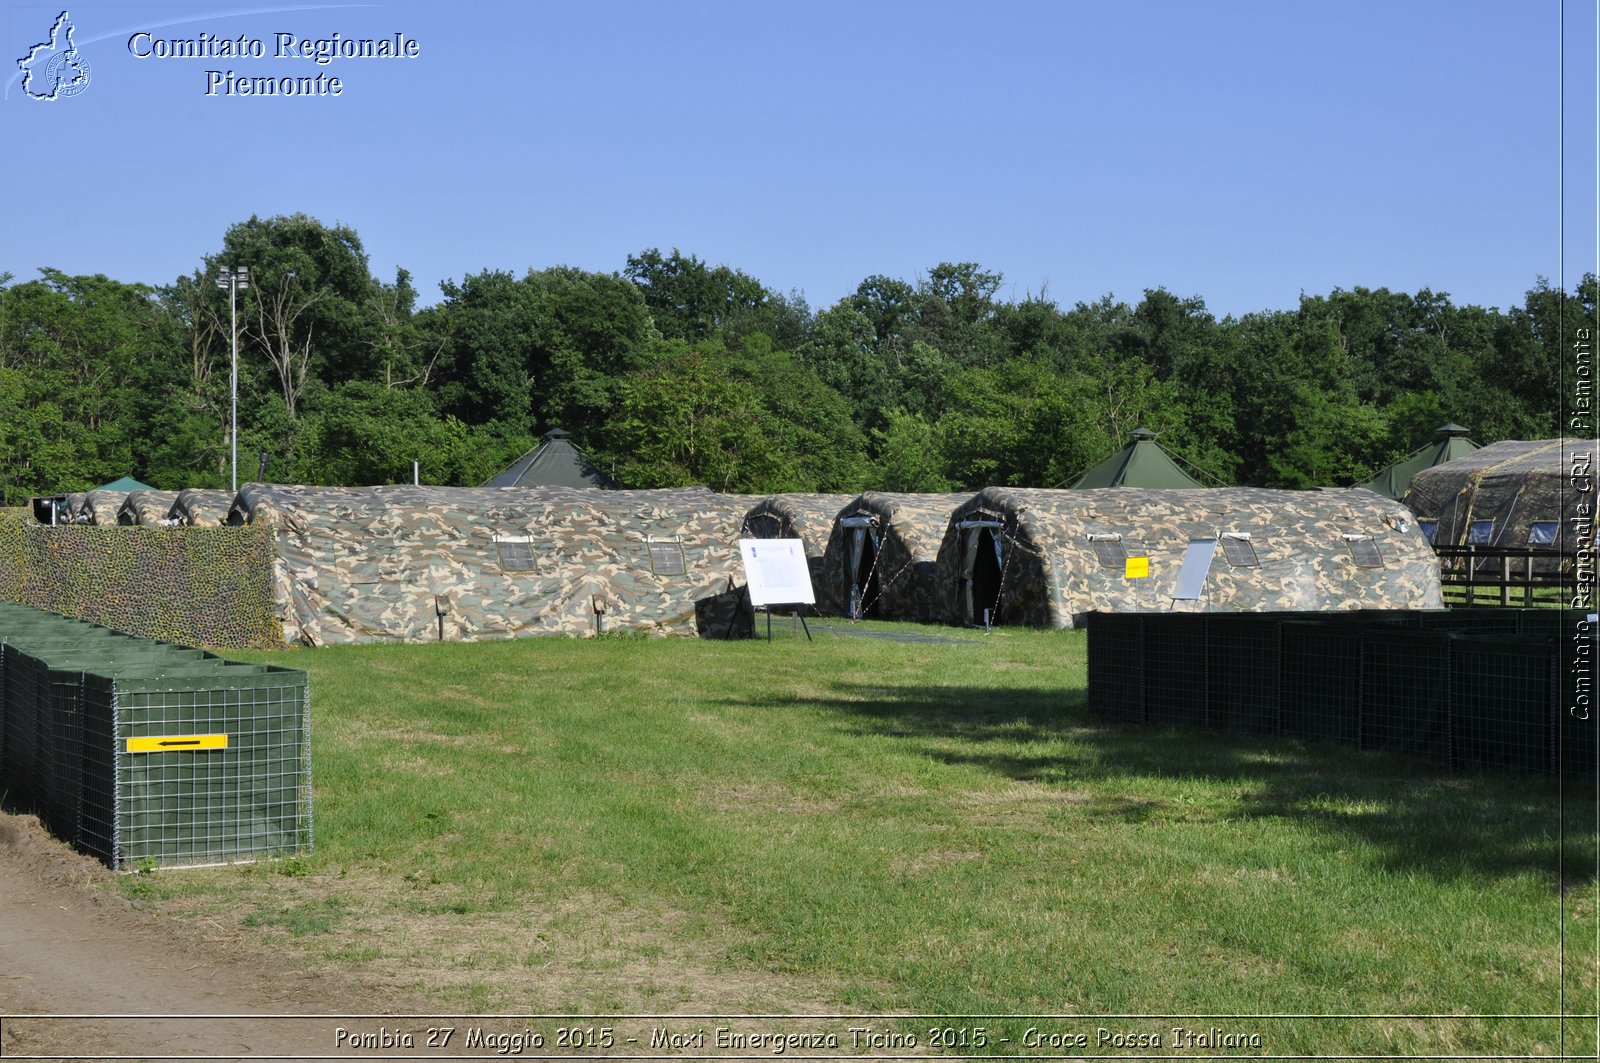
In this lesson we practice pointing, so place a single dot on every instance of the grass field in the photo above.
(860, 825)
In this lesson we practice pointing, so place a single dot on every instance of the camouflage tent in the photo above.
(422, 563)
(879, 561)
(554, 463)
(1513, 493)
(1048, 558)
(201, 507)
(147, 506)
(1142, 463)
(100, 506)
(808, 518)
(1449, 443)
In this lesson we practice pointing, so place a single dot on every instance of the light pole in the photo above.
(233, 278)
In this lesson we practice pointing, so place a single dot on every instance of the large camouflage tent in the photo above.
(1142, 463)
(1449, 443)
(422, 563)
(554, 463)
(1047, 558)
(201, 507)
(1510, 494)
(879, 561)
(808, 518)
(146, 506)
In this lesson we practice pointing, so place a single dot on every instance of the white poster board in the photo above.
(776, 572)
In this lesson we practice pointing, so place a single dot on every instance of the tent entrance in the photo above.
(982, 565)
(864, 543)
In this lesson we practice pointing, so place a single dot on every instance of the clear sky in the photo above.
(1244, 152)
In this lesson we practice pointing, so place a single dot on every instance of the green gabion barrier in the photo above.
(1463, 688)
(145, 753)
(194, 586)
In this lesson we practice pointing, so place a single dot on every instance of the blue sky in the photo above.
(1241, 152)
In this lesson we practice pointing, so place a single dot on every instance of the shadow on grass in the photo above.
(1417, 817)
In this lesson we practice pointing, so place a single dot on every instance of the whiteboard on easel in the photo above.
(776, 572)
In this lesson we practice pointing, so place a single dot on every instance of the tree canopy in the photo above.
(674, 371)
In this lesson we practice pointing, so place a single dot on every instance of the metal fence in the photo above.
(146, 753)
(1479, 688)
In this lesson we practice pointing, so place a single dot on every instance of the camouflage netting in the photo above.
(880, 555)
(379, 563)
(207, 587)
(1511, 494)
(1047, 558)
(146, 507)
(808, 518)
(201, 507)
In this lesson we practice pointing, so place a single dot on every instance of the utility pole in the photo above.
(233, 278)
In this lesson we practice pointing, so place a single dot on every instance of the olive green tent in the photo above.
(1142, 463)
(124, 484)
(1449, 443)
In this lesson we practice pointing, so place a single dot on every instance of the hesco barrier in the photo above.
(195, 586)
(1463, 688)
(146, 753)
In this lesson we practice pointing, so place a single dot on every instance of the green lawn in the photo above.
(868, 826)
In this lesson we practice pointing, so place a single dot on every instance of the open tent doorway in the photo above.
(863, 544)
(982, 569)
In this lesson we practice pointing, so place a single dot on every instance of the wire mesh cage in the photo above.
(1175, 670)
(1503, 703)
(1243, 672)
(145, 753)
(1481, 688)
(1116, 665)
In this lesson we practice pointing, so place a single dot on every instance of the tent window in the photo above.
(666, 559)
(1196, 566)
(1239, 551)
(1111, 552)
(1429, 528)
(1364, 552)
(515, 557)
(1543, 533)
(1480, 533)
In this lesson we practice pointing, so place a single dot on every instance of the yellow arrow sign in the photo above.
(165, 743)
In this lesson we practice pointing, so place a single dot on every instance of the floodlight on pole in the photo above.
(233, 278)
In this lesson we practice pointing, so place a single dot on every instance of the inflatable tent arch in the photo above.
(880, 557)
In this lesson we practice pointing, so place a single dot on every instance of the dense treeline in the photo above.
(674, 371)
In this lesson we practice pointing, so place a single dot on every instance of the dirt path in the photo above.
(68, 946)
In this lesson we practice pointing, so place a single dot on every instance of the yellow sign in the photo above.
(1137, 568)
(165, 743)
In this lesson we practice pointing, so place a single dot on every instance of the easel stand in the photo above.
(798, 615)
